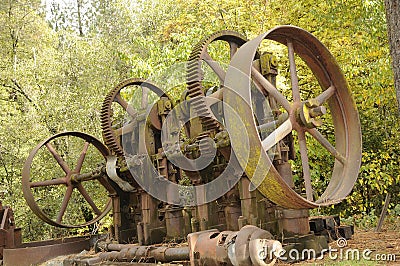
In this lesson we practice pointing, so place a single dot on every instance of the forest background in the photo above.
(58, 59)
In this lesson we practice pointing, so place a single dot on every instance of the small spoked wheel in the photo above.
(63, 182)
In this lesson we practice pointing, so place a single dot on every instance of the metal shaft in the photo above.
(121, 252)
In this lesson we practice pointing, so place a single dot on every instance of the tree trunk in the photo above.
(80, 28)
(393, 23)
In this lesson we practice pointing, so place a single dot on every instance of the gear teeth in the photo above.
(194, 75)
(106, 113)
(105, 119)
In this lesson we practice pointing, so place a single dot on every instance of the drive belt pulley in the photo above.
(330, 105)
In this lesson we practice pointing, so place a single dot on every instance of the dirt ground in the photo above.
(373, 248)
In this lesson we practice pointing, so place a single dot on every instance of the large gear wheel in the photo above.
(195, 74)
(112, 127)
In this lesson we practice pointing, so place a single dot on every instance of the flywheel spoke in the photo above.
(89, 200)
(325, 95)
(268, 87)
(81, 158)
(326, 144)
(277, 135)
(51, 182)
(293, 73)
(305, 164)
(215, 66)
(64, 203)
(58, 158)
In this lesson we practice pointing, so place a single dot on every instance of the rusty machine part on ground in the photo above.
(10, 235)
(249, 138)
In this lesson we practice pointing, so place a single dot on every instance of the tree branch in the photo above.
(16, 87)
(19, 89)
(4, 165)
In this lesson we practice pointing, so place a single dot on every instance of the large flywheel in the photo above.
(328, 104)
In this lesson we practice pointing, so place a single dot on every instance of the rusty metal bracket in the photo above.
(111, 168)
(37, 252)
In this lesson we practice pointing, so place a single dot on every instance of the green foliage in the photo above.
(396, 210)
(364, 220)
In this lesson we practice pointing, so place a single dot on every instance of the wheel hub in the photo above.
(310, 114)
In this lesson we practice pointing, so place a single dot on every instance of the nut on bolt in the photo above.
(310, 113)
(317, 111)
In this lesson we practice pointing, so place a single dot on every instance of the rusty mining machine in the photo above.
(225, 168)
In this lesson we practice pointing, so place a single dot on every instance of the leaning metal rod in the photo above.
(271, 126)
(273, 129)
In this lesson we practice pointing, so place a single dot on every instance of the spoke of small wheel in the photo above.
(262, 82)
(89, 200)
(326, 144)
(215, 66)
(64, 203)
(51, 182)
(305, 164)
(293, 73)
(233, 48)
(58, 158)
(81, 158)
(125, 105)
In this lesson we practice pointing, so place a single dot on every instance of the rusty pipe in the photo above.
(122, 252)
